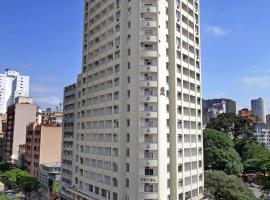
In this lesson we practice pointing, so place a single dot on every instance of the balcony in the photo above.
(149, 130)
(149, 146)
(146, 195)
(148, 38)
(149, 68)
(149, 53)
(148, 179)
(148, 114)
(148, 24)
(153, 162)
(148, 9)
(148, 83)
(149, 98)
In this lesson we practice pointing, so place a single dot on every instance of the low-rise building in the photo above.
(263, 134)
(43, 145)
(246, 113)
(49, 173)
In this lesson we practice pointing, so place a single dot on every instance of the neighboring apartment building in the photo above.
(139, 132)
(263, 134)
(213, 107)
(49, 173)
(42, 145)
(12, 85)
(245, 113)
(258, 109)
(18, 116)
(3, 126)
(68, 140)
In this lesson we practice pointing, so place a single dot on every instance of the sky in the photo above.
(43, 39)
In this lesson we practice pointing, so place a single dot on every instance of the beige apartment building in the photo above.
(138, 117)
(42, 146)
(18, 116)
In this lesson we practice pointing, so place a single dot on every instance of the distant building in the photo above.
(268, 120)
(12, 85)
(52, 117)
(68, 156)
(18, 116)
(49, 173)
(258, 109)
(43, 145)
(246, 113)
(263, 134)
(213, 107)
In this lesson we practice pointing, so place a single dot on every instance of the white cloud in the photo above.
(217, 31)
(44, 89)
(48, 101)
(257, 81)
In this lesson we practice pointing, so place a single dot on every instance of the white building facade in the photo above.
(263, 134)
(139, 129)
(12, 85)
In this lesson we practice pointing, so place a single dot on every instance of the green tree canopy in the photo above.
(219, 152)
(235, 126)
(18, 177)
(5, 166)
(226, 187)
(249, 148)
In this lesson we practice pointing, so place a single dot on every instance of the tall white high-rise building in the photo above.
(258, 109)
(138, 121)
(12, 85)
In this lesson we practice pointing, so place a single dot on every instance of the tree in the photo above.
(5, 166)
(261, 165)
(226, 187)
(28, 184)
(219, 152)
(18, 177)
(10, 177)
(55, 187)
(233, 125)
(249, 148)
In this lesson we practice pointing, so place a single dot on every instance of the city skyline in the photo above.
(54, 45)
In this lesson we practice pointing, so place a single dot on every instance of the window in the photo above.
(127, 152)
(127, 167)
(127, 182)
(128, 137)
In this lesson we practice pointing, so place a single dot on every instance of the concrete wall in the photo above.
(50, 144)
(24, 114)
